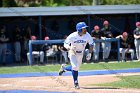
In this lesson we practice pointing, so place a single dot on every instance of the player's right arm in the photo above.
(120, 36)
(68, 41)
(67, 44)
(91, 43)
(136, 36)
(69, 47)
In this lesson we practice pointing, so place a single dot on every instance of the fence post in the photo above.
(118, 41)
(30, 52)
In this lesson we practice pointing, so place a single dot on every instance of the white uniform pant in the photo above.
(137, 46)
(76, 61)
(123, 51)
(39, 54)
(96, 51)
(106, 49)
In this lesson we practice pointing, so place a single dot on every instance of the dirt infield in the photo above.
(65, 84)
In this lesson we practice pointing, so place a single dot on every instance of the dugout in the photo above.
(60, 21)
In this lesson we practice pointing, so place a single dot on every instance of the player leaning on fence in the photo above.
(76, 43)
(106, 34)
(96, 35)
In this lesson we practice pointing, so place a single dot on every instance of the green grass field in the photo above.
(125, 82)
(54, 68)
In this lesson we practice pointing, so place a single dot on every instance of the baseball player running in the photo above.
(76, 43)
(137, 40)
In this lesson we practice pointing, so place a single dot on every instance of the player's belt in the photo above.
(79, 51)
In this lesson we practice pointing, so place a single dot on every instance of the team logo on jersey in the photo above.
(79, 41)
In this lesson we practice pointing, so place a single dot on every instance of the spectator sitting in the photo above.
(51, 51)
(125, 46)
(36, 52)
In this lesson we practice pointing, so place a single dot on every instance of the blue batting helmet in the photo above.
(80, 26)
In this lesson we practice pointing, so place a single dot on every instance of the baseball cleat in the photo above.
(77, 86)
(61, 71)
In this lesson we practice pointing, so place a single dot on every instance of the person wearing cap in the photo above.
(75, 43)
(106, 34)
(136, 34)
(37, 51)
(96, 35)
(125, 46)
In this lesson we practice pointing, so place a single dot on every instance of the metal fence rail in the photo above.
(61, 41)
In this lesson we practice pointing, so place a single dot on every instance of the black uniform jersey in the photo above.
(27, 35)
(106, 32)
(3, 35)
(95, 34)
(124, 44)
(137, 32)
(17, 36)
(37, 47)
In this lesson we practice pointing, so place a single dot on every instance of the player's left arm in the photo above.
(91, 42)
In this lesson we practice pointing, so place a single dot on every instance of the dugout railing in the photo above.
(61, 41)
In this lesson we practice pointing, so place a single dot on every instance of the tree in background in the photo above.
(49, 3)
(8, 3)
(53, 3)
(119, 2)
(1, 3)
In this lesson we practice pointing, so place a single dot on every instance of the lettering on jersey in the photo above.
(79, 41)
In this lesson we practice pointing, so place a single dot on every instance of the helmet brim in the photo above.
(84, 27)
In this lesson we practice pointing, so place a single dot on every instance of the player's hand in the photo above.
(103, 38)
(73, 48)
(110, 35)
(127, 50)
(88, 57)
